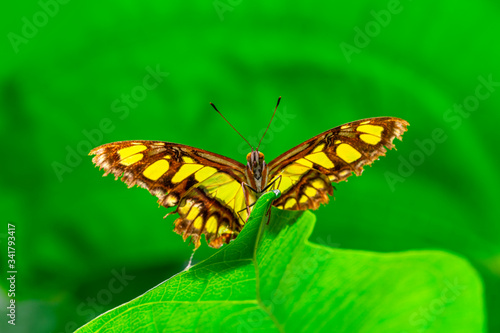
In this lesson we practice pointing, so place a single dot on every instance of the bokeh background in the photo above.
(74, 75)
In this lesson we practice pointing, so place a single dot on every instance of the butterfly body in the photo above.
(214, 195)
(256, 171)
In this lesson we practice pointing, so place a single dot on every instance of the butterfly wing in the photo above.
(205, 187)
(308, 170)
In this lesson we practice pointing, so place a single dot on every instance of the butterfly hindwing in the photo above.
(215, 207)
(182, 176)
(304, 173)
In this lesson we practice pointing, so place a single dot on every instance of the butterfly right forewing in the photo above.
(306, 172)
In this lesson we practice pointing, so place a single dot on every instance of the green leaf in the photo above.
(288, 284)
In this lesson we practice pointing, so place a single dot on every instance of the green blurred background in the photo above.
(67, 69)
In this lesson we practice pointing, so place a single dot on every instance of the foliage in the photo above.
(272, 279)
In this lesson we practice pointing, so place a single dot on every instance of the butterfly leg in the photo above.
(271, 184)
(251, 205)
(278, 179)
(247, 200)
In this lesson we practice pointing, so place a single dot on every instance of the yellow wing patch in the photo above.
(291, 202)
(318, 148)
(304, 162)
(320, 159)
(204, 173)
(129, 151)
(310, 191)
(211, 224)
(348, 153)
(131, 159)
(371, 129)
(198, 223)
(129, 156)
(193, 213)
(370, 139)
(185, 171)
(187, 159)
(156, 170)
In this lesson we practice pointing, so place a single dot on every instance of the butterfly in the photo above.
(214, 195)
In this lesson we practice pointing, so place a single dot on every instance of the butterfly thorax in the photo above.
(256, 171)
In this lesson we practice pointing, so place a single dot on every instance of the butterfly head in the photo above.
(257, 168)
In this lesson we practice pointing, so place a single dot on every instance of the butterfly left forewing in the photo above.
(305, 173)
(181, 176)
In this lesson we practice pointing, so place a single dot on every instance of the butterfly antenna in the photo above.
(276, 108)
(231, 125)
